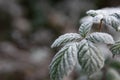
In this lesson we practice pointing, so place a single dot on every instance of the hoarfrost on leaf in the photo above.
(85, 28)
(64, 61)
(92, 13)
(89, 57)
(66, 38)
(97, 18)
(112, 21)
(103, 11)
(86, 19)
(98, 37)
(110, 16)
(117, 15)
(115, 48)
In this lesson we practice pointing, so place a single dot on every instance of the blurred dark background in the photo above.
(29, 27)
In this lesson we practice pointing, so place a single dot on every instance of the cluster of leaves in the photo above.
(81, 47)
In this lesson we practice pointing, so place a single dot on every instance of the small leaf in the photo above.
(115, 49)
(85, 28)
(66, 38)
(63, 62)
(98, 37)
(89, 57)
(112, 21)
(92, 13)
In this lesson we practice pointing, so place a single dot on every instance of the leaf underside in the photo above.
(66, 38)
(89, 57)
(63, 62)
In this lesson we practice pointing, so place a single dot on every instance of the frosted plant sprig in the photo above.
(80, 47)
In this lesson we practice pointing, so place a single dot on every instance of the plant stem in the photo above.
(104, 70)
(113, 55)
(100, 25)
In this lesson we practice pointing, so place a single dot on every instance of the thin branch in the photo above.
(100, 25)
(104, 71)
(113, 55)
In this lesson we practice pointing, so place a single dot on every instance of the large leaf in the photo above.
(115, 49)
(98, 37)
(85, 28)
(113, 22)
(89, 57)
(66, 38)
(63, 62)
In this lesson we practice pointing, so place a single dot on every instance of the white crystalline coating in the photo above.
(99, 37)
(89, 57)
(64, 61)
(115, 48)
(104, 11)
(117, 15)
(93, 13)
(119, 28)
(110, 16)
(111, 10)
(97, 18)
(85, 28)
(112, 21)
(66, 38)
(86, 19)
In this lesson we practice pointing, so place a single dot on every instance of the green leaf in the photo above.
(98, 37)
(85, 28)
(63, 62)
(115, 48)
(89, 57)
(66, 38)
(112, 21)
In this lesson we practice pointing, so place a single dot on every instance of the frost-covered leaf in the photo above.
(117, 15)
(98, 37)
(97, 18)
(104, 11)
(112, 21)
(63, 62)
(89, 57)
(66, 38)
(115, 49)
(85, 28)
(86, 19)
(110, 16)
